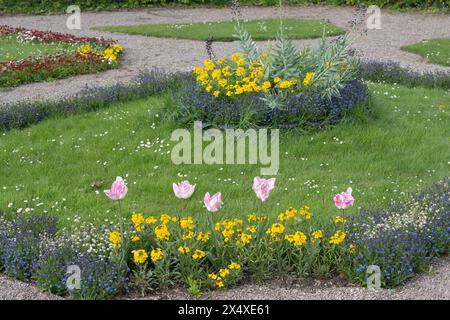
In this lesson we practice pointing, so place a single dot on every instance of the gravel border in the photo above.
(172, 55)
(434, 285)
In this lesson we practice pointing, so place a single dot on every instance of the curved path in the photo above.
(171, 54)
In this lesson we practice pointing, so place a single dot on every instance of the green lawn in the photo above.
(11, 49)
(403, 146)
(435, 50)
(224, 30)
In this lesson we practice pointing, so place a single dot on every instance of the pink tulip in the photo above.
(183, 190)
(118, 190)
(263, 187)
(344, 199)
(213, 203)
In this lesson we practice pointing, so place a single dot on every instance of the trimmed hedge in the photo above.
(50, 6)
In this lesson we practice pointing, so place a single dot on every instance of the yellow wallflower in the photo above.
(162, 232)
(187, 223)
(165, 218)
(240, 72)
(137, 219)
(275, 230)
(234, 266)
(116, 239)
(340, 219)
(216, 74)
(266, 85)
(243, 238)
(140, 256)
(224, 272)
(209, 65)
(151, 220)
(352, 247)
(276, 79)
(156, 254)
(188, 235)
(184, 250)
(219, 283)
(251, 217)
(216, 93)
(135, 238)
(316, 235)
(251, 229)
(297, 239)
(203, 236)
(308, 78)
(338, 237)
(222, 82)
(305, 213)
(285, 84)
(198, 254)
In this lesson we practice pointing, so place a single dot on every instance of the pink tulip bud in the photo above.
(118, 190)
(183, 190)
(213, 203)
(344, 199)
(263, 187)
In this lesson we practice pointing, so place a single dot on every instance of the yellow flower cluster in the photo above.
(116, 239)
(223, 273)
(275, 231)
(112, 52)
(297, 239)
(316, 235)
(338, 237)
(231, 77)
(340, 219)
(308, 79)
(140, 256)
(156, 254)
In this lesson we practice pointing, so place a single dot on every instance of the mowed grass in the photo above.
(224, 30)
(436, 51)
(11, 49)
(404, 146)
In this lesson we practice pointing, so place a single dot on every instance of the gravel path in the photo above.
(146, 52)
(432, 286)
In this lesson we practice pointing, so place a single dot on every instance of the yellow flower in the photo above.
(304, 211)
(216, 93)
(229, 93)
(285, 84)
(222, 82)
(224, 272)
(234, 266)
(252, 229)
(197, 70)
(156, 254)
(209, 65)
(240, 71)
(318, 234)
(288, 214)
(308, 78)
(339, 219)
(352, 247)
(266, 85)
(275, 230)
(165, 218)
(116, 239)
(251, 217)
(150, 220)
(219, 283)
(213, 276)
(227, 233)
(276, 79)
(137, 219)
(140, 256)
(183, 250)
(198, 254)
(297, 239)
(203, 236)
(217, 227)
(187, 223)
(338, 237)
(135, 238)
(243, 238)
(162, 232)
(188, 235)
(216, 74)
(209, 88)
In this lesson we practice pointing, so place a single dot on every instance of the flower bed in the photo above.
(280, 87)
(152, 252)
(88, 55)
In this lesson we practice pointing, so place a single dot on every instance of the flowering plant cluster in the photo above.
(151, 252)
(91, 55)
(301, 85)
(402, 239)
